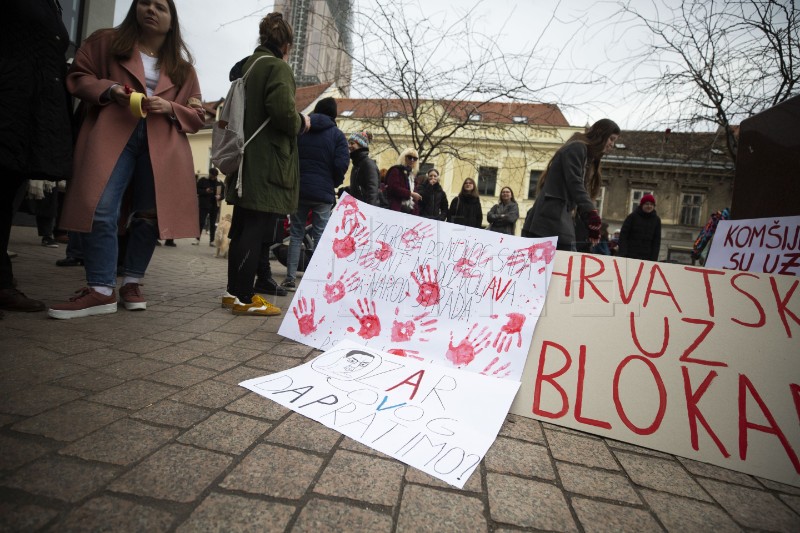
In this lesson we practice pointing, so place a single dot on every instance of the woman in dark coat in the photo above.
(364, 176)
(503, 215)
(434, 200)
(572, 179)
(465, 209)
(400, 183)
(640, 236)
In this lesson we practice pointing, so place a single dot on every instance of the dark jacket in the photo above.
(502, 217)
(207, 199)
(324, 159)
(465, 210)
(36, 130)
(563, 190)
(398, 189)
(640, 236)
(434, 201)
(365, 177)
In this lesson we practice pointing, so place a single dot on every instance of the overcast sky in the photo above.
(580, 35)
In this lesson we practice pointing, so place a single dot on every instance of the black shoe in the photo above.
(14, 300)
(69, 262)
(169, 242)
(270, 286)
(49, 242)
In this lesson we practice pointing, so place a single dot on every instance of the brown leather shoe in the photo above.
(14, 300)
(85, 302)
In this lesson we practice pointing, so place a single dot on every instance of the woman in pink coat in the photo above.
(140, 168)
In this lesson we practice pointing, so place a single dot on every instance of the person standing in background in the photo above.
(503, 215)
(465, 209)
(400, 183)
(208, 197)
(364, 176)
(433, 204)
(640, 236)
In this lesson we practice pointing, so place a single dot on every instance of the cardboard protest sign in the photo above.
(462, 297)
(769, 245)
(692, 361)
(437, 419)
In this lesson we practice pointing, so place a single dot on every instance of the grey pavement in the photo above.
(135, 422)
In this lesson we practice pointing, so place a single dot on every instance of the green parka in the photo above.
(271, 177)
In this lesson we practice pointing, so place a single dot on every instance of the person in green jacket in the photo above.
(268, 188)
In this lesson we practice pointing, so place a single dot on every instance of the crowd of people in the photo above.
(130, 167)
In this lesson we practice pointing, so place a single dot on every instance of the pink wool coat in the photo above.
(107, 128)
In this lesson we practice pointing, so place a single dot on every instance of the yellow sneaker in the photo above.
(258, 306)
(227, 300)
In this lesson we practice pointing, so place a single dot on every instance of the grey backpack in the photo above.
(227, 139)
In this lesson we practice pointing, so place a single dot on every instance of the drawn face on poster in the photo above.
(428, 290)
(346, 364)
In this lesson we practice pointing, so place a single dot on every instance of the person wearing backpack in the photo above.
(364, 177)
(267, 189)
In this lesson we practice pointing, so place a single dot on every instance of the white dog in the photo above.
(221, 240)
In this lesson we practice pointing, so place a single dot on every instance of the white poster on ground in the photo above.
(433, 291)
(440, 420)
(768, 245)
(696, 362)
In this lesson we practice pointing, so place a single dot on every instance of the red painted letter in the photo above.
(551, 379)
(692, 399)
(579, 397)
(662, 397)
(408, 381)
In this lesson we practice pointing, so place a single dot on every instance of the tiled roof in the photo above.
(662, 145)
(305, 96)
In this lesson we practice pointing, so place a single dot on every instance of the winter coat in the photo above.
(108, 126)
(365, 177)
(640, 236)
(502, 217)
(465, 210)
(434, 201)
(324, 159)
(205, 199)
(270, 172)
(398, 189)
(563, 190)
(35, 131)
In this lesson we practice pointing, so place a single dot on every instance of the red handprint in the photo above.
(377, 256)
(499, 369)
(336, 291)
(370, 323)
(412, 238)
(403, 331)
(357, 236)
(503, 340)
(525, 257)
(428, 286)
(465, 265)
(405, 353)
(305, 317)
(466, 350)
(350, 210)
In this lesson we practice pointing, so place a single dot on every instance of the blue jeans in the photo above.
(320, 213)
(133, 169)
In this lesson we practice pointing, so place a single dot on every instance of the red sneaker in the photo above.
(86, 302)
(131, 297)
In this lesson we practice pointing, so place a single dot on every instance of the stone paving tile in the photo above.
(171, 413)
(212, 363)
(211, 394)
(248, 344)
(717, 472)
(241, 355)
(430, 510)
(291, 349)
(34, 400)
(172, 354)
(70, 422)
(239, 374)
(302, 432)
(528, 503)
(683, 514)
(597, 483)
(224, 513)
(270, 363)
(176, 473)
(522, 428)
(473, 484)
(17, 451)
(108, 513)
(173, 336)
(581, 449)
(135, 367)
(122, 443)
(134, 394)
(355, 446)
(197, 346)
(274, 471)
(225, 432)
(63, 478)
(23, 517)
(362, 477)
(7, 419)
(753, 508)
(89, 381)
(601, 517)
(791, 501)
(263, 335)
(780, 487)
(74, 346)
(324, 516)
(256, 405)
(143, 345)
(220, 337)
(617, 445)
(182, 375)
(660, 474)
(101, 358)
(509, 456)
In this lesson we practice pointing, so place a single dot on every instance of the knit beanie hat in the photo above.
(361, 138)
(647, 198)
(326, 106)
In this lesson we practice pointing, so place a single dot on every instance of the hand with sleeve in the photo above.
(593, 222)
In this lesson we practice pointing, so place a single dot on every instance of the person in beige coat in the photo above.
(130, 164)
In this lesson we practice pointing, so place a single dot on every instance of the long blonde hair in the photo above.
(402, 160)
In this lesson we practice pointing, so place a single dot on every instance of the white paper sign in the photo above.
(437, 419)
(462, 297)
(769, 245)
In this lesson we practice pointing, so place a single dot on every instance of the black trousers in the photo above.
(7, 195)
(252, 233)
(211, 213)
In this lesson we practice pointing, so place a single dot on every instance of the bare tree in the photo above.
(719, 61)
